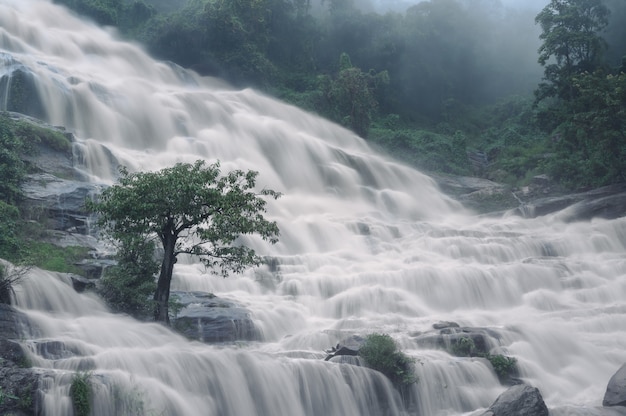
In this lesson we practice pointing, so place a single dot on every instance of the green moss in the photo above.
(33, 134)
(48, 256)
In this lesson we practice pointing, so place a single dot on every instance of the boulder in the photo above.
(616, 390)
(347, 347)
(519, 400)
(205, 317)
(459, 341)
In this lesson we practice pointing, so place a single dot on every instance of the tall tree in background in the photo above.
(571, 44)
(586, 121)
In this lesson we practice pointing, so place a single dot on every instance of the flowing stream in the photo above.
(367, 245)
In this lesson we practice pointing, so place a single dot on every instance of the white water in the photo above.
(555, 291)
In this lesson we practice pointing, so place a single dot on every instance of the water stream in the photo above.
(367, 245)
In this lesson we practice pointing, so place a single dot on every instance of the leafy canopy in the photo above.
(206, 212)
(571, 44)
(191, 209)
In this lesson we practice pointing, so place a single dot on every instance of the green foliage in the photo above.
(9, 218)
(80, 393)
(504, 366)
(589, 144)
(12, 167)
(464, 347)
(426, 150)
(190, 209)
(128, 286)
(122, 13)
(380, 353)
(51, 257)
(570, 43)
(31, 134)
(349, 98)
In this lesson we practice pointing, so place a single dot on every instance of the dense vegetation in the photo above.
(20, 236)
(428, 85)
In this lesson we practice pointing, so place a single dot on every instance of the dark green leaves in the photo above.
(203, 211)
(381, 353)
(571, 43)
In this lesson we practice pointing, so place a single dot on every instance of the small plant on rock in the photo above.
(80, 393)
(504, 366)
(464, 347)
(381, 353)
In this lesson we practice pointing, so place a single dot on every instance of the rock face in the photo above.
(207, 318)
(21, 88)
(460, 341)
(608, 202)
(616, 390)
(520, 400)
(62, 201)
(18, 383)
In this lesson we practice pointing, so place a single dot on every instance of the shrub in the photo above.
(80, 393)
(380, 353)
(128, 287)
(503, 366)
(464, 347)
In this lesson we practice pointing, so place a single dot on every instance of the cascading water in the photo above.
(367, 245)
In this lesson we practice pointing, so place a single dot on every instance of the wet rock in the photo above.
(608, 202)
(347, 347)
(20, 85)
(460, 341)
(520, 400)
(616, 390)
(445, 324)
(18, 382)
(13, 324)
(207, 318)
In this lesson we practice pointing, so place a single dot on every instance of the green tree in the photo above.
(350, 97)
(590, 144)
(571, 44)
(189, 209)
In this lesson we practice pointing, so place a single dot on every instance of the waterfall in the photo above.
(367, 245)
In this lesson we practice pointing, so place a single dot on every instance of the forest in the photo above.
(462, 87)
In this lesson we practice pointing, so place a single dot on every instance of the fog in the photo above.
(402, 5)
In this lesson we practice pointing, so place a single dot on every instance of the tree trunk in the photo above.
(162, 294)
